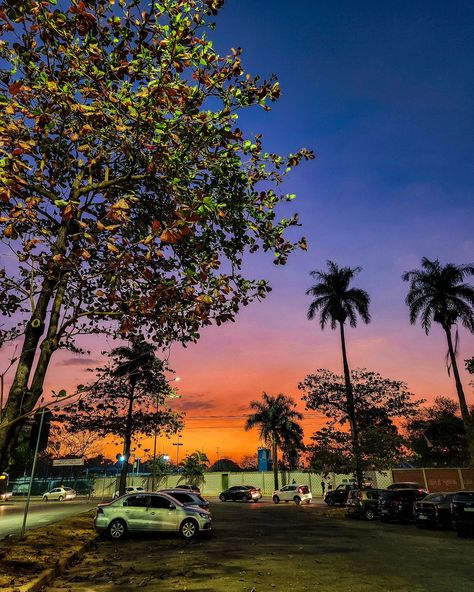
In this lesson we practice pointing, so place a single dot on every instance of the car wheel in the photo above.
(189, 529)
(222, 497)
(308, 502)
(276, 499)
(60, 498)
(297, 500)
(369, 514)
(45, 498)
(117, 529)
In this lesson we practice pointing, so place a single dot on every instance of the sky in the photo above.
(383, 92)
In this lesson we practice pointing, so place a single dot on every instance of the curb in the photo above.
(47, 576)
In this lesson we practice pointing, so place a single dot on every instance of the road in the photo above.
(280, 548)
(40, 513)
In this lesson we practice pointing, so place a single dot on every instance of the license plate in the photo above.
(384, 511)
(423, 517)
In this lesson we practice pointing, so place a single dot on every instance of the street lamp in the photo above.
(177, 444)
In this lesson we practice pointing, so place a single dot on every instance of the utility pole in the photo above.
(177, 444)
(33, 469)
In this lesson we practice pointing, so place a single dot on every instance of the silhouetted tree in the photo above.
(337, 302)
(437, 435)
(277, 421)
(439, 293)
(193, 468)
(377, 402)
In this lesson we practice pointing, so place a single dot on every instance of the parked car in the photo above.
(434, 510)
(338, 495)
(462, 513)
(409, 485)
(247, 493)
(293, 493)
(150, 512)
(363, 503)
(397, 504)
(59, 494)
(193, 488)
(187, 498)
(130, 489)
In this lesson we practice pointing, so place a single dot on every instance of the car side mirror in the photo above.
(172, 507)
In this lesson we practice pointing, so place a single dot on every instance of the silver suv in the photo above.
(150, 512)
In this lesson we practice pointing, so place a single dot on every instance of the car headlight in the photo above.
(203, 515)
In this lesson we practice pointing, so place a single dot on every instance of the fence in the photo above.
(442, 479)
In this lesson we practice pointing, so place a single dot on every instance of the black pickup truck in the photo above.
(462, 513)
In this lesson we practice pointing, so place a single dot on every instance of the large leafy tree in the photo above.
(128, 195)
(439, 293)
(127, 401)
(277, 421)
(437, 435)
(377, 403)
(337, 303)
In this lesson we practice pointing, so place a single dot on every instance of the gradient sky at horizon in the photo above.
(383, 92)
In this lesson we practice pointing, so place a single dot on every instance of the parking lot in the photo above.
(263, 547)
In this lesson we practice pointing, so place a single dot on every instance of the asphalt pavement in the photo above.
(40, 513)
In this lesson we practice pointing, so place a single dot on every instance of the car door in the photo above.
(163, 514)
(136, 511)
(54, 494)
(288, 492)
(234, 493)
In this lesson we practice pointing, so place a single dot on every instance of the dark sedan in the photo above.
(338, 495)
(397, 504)
(247, 493)
(462, 511)
(188, 498)
(434, 510)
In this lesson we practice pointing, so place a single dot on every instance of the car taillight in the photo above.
(100, 511)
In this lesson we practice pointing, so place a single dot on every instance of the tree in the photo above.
(336, 303)
(277, 420)
(437, 435)
(65, 443)
(193, 467)
(127, 400)
(439, 293)
(127, 192)
(225, 465)
(377, 402)
(249, 462)
(159, 468)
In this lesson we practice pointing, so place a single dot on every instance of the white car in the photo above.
(293, 493)
(130, 489)
(60, 494)
(5, 496)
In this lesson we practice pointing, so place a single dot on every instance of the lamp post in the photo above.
(177, 444)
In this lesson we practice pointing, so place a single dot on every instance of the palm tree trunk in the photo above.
(275, 462)
(127, 443)
(466, 416)
(351, 410)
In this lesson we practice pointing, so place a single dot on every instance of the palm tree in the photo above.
(277, 421)
(133, 363)
(193, 467)
(439, 293)
(338, 303)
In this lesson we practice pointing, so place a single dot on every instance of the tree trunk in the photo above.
(275, 462)
(466, 416)
(351, 411)
(22, 399)
(127, 443)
